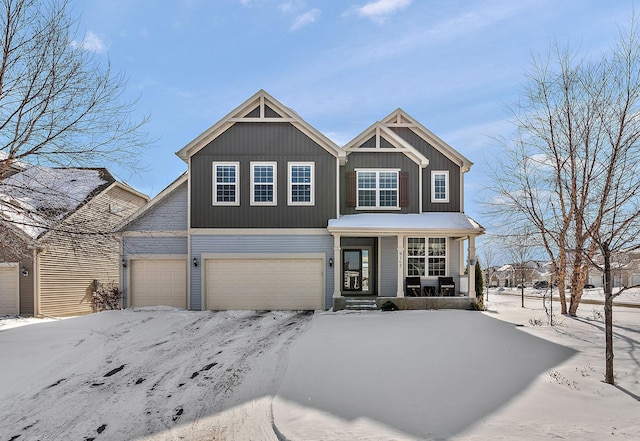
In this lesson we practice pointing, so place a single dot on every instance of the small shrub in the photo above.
(536, 322)
(107, 297)
(389, 306)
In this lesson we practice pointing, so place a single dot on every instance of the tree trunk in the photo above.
(561, 273)
(608, 315)
(577, 284)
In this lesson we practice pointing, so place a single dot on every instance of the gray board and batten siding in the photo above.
(278, 142)
(255, 245)
(439, 162)
(391, 160)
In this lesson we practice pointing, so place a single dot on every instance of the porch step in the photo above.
(361, 304)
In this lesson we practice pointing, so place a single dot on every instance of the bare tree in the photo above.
(60, 106)
(488, 253)
(577, 156)
(522, 249)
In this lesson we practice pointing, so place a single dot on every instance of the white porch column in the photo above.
(400, 287)
(472, 268)
(337, 263)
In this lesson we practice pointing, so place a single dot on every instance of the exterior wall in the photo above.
(389, 159)
(437, 161)
(388, 266)
(246, 142)
(234, 244)
(26, 288)
(14, 248)
(82, 251)
(169, 214)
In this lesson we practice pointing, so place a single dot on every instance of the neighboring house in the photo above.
(57, 244)
(514, 274)
(625, 266)
(271, 214)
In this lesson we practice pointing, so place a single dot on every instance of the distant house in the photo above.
(625, 266)
(56, 246)
(514, 274)
(272, 214)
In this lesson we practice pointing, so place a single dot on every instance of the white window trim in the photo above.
(377, 189)
(215, 184)
(313, 186)
(274, 183)
(435, 173)
(426, 255)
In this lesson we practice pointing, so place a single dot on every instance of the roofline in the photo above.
(240, 111)
(378, 129)
(430, 137)
(151, 203)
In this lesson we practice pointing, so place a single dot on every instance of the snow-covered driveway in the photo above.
(123, 375)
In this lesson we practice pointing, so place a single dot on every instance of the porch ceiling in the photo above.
(393, 223)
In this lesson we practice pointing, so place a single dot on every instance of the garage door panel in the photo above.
(269, 283)
(9, 290)
(159, 282)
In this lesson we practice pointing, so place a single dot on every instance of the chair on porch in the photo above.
(413, 287)
(446, 286)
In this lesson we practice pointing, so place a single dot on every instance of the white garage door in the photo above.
(264, 283)
(157, 282)
(9, 289)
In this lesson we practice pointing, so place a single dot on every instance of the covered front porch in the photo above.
(414, 261)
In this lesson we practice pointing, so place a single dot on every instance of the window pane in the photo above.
(301, 193)
(225, 173)
(388, 198)
(437, 246)
(367, 180)
(225, 193)
(263, 193)
(415, 246)
(437, 266)
(263, 173)
(440, 186)
(301, 174)
(415, 266)
(367, 198)
(388, 180)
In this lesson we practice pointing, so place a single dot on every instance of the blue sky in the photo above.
(453, 65)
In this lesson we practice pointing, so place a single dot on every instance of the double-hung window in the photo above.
(301, 183)
(377, 189)
(440, 186)
(263, 183)
(426, 256)
(226, 183)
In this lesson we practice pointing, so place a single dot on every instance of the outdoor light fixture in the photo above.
(124, 263)
(25, 272)
(195, 261)
(472, 262)
(330, 261)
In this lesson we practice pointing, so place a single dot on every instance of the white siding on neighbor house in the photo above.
(9, 288)
(289, 244)
(72, 261)
(169, 214)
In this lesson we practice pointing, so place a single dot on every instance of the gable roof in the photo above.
(261, 107)
(400, 118)
(36, 199)
(380, 132)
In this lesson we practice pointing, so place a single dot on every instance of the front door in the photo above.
(355, 270)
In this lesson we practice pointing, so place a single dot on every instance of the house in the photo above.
(271, 214)
(56, 245)
(516, 274)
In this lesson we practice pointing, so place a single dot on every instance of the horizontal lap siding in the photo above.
(85, 251)
(236, 244)
(169, 214)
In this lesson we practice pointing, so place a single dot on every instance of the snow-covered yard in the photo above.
(166, 374)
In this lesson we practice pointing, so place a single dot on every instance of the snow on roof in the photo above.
(38, 197)
(432, 222)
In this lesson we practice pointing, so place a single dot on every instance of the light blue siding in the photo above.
(169, 214)
(236, 244)
(388, 266)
